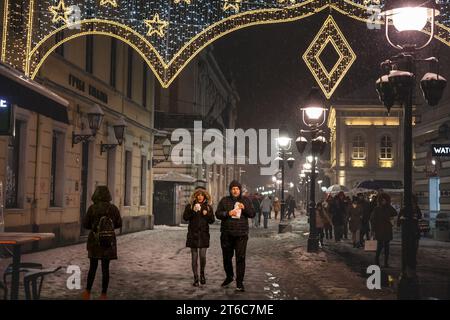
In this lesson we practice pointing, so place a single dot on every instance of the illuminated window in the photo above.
(386, 147)
(358, 148)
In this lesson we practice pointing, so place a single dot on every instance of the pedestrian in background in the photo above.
(382, 226)
(416, 217)
(365, 219)
(291, 206)
(355, 217)
(348, 205)
(276, 207)
(339, 215)
(257, 206)
(102, 218)
(234, 211)
(266, 208)
(200, 215)
(322, 219)
(328, 227)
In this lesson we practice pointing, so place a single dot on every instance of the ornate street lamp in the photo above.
(396, 86)
(95, 117)
(119, 132)
(166, 148)
(314, 116)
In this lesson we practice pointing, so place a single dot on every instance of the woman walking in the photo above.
(382, 226)
(102, 218)
(200, 214)
(276, 207)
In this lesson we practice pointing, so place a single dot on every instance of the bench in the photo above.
(24, 267)
(30, 282)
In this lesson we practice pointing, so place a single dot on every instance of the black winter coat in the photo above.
(338, 210)
(198, 229)
(232, 226)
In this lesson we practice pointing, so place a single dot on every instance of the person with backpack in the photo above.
(200, 215)
(102, 218)
(382, 226)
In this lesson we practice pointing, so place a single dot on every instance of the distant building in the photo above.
(365, 143)
(201, 93)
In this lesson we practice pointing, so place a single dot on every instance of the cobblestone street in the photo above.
(155, 264)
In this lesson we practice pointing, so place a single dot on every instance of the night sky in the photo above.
(271, 77)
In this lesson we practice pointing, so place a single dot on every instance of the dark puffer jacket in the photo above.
(101, 207)
(198, 229)
(229, 225)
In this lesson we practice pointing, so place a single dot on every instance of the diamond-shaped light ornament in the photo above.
(329, 80)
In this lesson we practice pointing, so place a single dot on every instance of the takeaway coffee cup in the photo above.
(238, 211)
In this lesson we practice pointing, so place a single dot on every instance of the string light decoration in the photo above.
(30, 28)
(108, 2)
(156, 26)
(60, 12)
(329, 34)
(232, 5)
(180, 1)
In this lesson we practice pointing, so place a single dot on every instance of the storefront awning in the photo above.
(30, 95)
(176, 177)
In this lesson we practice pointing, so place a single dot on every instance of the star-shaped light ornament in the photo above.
(60, 12)
(156, 26)
(105, 3)
(232, 4)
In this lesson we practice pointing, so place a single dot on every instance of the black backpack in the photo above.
(105, 231)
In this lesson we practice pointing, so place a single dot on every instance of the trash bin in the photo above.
(442, 231)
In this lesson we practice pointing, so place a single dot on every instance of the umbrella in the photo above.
(336, 188)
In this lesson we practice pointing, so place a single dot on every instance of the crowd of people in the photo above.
(264, 205)
(364, 218)
(338, 215)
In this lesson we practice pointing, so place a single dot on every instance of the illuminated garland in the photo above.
(168, 34)
(329, 34)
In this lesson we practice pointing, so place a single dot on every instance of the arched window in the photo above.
(386, 147)
(358, 148)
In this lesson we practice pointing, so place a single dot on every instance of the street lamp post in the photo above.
(284, 142)
(396, 86)
(314, 115)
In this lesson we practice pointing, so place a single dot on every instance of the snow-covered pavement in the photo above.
(155, 264)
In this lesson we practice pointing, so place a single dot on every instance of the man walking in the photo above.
(291, 206)
(257, 207)
(266, 208)
(234, 211)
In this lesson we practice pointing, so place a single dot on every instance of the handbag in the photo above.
(370, 245)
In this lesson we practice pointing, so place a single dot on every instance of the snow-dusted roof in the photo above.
(172, 176)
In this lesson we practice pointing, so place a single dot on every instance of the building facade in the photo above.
(203, 95)
(432, 173)
(49, 180)
(365, 143)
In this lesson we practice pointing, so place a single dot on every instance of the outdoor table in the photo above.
(17, 240)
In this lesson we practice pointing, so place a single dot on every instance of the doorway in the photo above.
(434, 199)
(164, 210)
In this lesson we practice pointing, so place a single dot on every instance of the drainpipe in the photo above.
(37, 174)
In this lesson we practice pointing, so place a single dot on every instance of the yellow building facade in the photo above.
(49, 180)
